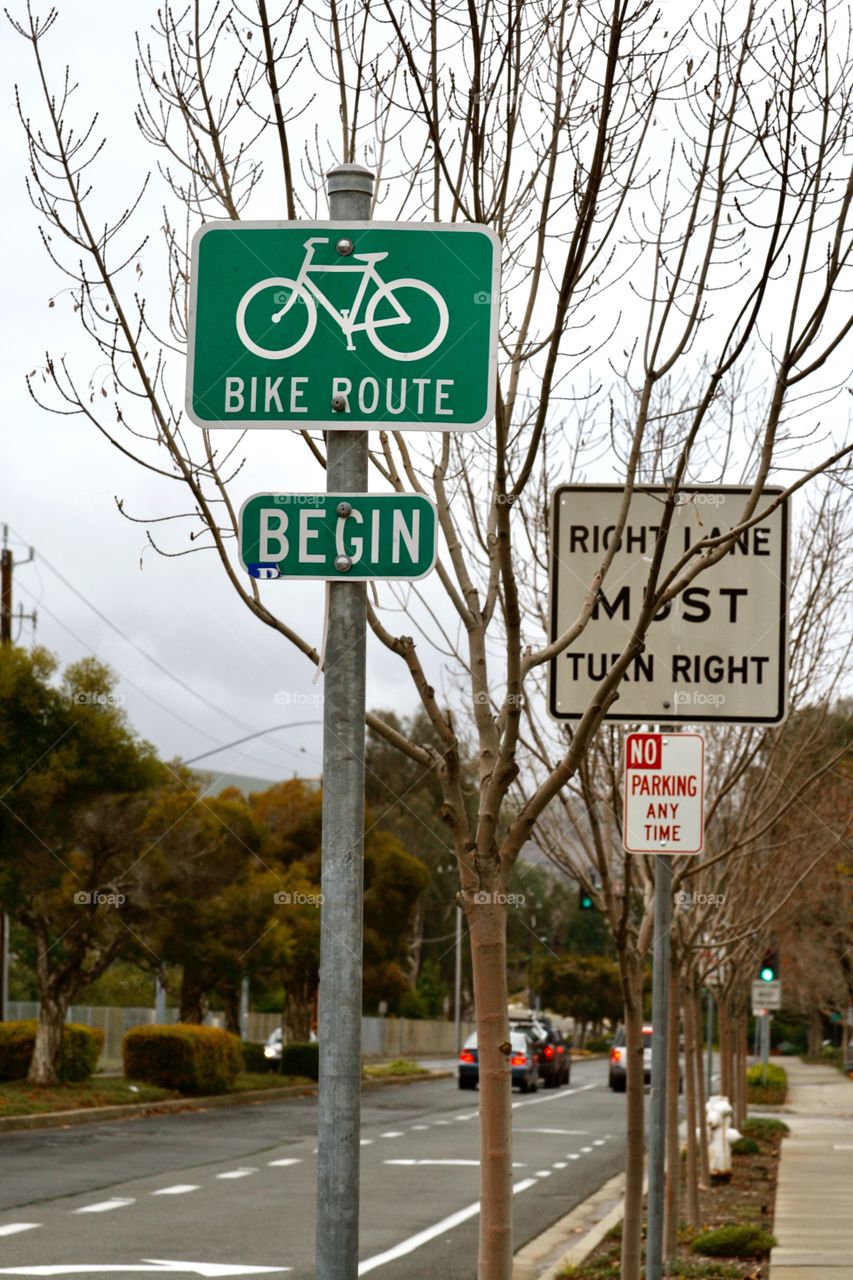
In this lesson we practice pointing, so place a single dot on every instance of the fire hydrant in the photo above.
(721, 1135)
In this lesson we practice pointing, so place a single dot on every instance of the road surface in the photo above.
(231, 1191)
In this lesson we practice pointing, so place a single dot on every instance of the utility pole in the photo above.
(7, 566)
(350, 191)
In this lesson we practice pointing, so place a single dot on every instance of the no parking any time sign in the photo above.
(664, 793)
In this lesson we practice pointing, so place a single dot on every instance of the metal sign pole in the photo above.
(657, 1097)
(350, 188)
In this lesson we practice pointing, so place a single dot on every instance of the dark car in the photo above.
(555, 1065)
(523, 1058)
(618, 1077)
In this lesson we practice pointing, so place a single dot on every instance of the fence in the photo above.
(381, 1037)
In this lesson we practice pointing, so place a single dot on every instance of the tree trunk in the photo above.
(726, 1073)
(233, 1022)
(296, 1016)
(44, 1065)
(700, 1092)
(488, 956)
(673, 1146)
(815, 1033)
(743, 1051)
(631, 973)
(193, 1001)
(690, 1059)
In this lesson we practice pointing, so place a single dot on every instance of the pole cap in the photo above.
(350, 177)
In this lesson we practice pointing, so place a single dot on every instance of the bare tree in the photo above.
(674, 205)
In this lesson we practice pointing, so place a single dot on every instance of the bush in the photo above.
(597, 1046)
(81, 1049)
(743, 1241)
(192, 1059)
(764, 1128)
(745, 1147)
(300, 1060)
(766, 1084)
(254, 1060)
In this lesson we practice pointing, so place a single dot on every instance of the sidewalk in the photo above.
(814, 1198)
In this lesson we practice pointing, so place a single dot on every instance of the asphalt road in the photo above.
(233, 1189)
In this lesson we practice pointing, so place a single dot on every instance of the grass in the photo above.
(399, 1067)
(18, 1098)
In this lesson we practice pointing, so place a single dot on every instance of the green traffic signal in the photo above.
(767, 973)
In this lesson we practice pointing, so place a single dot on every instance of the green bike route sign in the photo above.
(343, 326)
(337, 536)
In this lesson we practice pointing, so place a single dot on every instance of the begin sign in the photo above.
(664, 793)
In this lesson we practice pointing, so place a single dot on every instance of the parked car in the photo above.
(618, 1076)
(524, 1062)
(555, 1067)
(272, 1046)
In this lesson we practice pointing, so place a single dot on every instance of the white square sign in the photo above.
(664, 793)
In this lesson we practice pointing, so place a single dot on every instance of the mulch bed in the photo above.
(748, 1198)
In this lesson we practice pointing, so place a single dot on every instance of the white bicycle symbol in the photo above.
(304, 290)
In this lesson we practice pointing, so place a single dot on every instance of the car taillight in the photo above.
(548, 1051)
(615, 1055)
(467, 1056)
(518, 1060)
(560, 1049)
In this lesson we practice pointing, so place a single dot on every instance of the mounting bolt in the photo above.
(344, 509)
(339, 404)
(343, 564)
(345, 247)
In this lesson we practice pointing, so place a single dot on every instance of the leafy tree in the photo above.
(73, 782)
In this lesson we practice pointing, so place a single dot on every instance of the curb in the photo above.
(132, 1110)
(549, 1250)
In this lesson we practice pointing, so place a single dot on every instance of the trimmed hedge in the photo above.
(81, 1049)
(192, 1059)
(301, 1060)
(255, 1060)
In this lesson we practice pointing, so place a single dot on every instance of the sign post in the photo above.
(663, 814)
(350, 189)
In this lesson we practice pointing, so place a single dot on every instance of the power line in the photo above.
(293, 724)
(129, 640)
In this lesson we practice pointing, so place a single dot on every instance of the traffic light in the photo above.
(585, 901)
(769, 970)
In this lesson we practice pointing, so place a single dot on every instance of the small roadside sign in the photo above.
(338, 536)
(718, 652)
(343, 325)
(664, 793)
(766, 995)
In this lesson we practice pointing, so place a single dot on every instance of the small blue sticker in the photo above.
(263, 570)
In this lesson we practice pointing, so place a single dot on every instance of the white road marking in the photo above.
(568, 1133)
(366, 1142)
(586, 1150)
(469, 1115)
(104, 1206)
(559, 1164)
(543, 1173)
(283, 1164)
(553, 1097)
(392, 1133)
(441, 1122)
(179, 1189)
(475, 1163)
(574, 1155)
(158, 1265)
(237, 1173)
(598, 1142)
(12, 1228)
(423, 1237)
(419, 1126)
